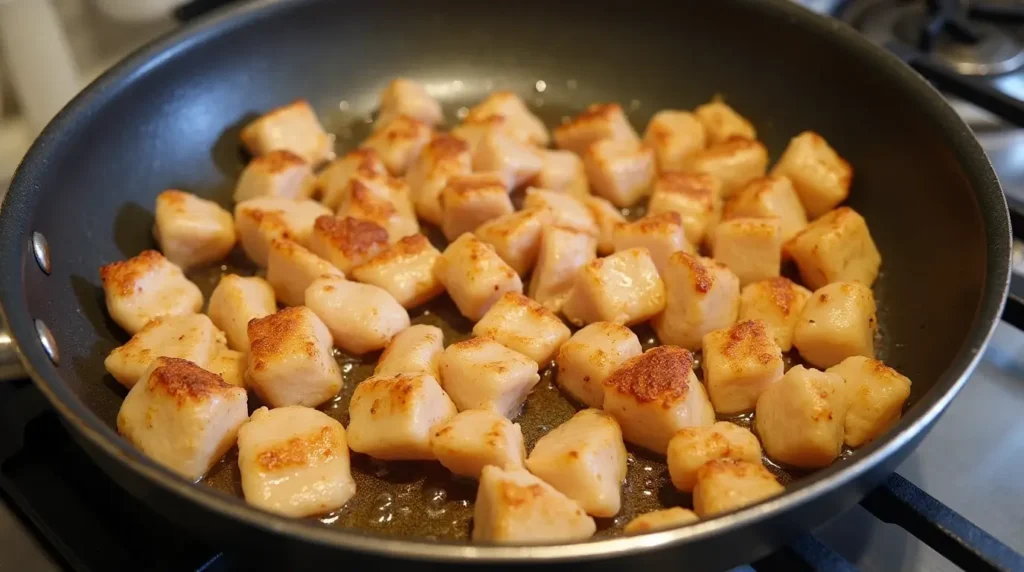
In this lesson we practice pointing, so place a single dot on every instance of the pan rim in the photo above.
(17, 211)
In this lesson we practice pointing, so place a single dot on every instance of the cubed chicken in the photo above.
(693, 447)
(877, 393)
(696, 197)
(674, 136)
(516, 236)
(661, 234)
(663, 519)
(416, 349)
(838, 321)
(406, 97)
(293, 127)
(405, 270)
(291, 269)
(520, 123)
(514, 161)
(724, 485)
(480, 373)
(445, 156)
(229, 365)
(656, 394)
(473, 131)
(722, 123)
(260, 221)
(590, 356)
(471, 200)
(585, 459)
(562, 171)
(771, 196)
(525, 326)
(385, 202)
(750, 247)
(837, 247)
(820, 176)
(399, 142)
(735, 163)
(279, 173)
(192, 231)
(563, 252)
(701, 295)
(620, 171)
(361, 317)
(146, 287)
(475, 276)
(334, 179)
(235, 301)
(778, 303)
(393, 418)
(514, 507)
(192, 337)
(624, 287)
(347, 242)
(294, 461)
(475, 438)
(567, 211)
(599, 121)
(290, 359)
(607, 216)
(739, 363)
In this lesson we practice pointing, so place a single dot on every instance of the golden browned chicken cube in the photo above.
(416, 349)
(192, 337)
(674, 136)
(514, 161)
(701, 295)
(778, 303)
(877, 393)
(607, 216)
(820, 176)
(291, 269)
(473, 130)
(722, 123)
(516, 236)
(693, 447)
(480, 373)
(476, 438)
(361, 317)
(279, 173)
(445, 156)
(661, 234)
(696, 197)
(835, 248)
(599, 121)
(334, 179)
(519, 121)
(347, 242)
(290, 359)
(399, 142)
(838, 321)
(525, 326)
(514, 507)
(620, 171)
(663, 519)
(294, 461)
(146, 287)
(585, 459)
(406, 97)
(735, 163)
(471, 200)
(475, 276)
(590, 356)
(656, 394)
(750, 247)
(566, 211)
(562, 171)
(293, 127)
(229, 365)
(405, 270)
(624, 288)
(235, 301)
(724, 485)
(771, 196)
(260, 221)
(192, 231)
(739, 363)
(563, 252)
(391, 211)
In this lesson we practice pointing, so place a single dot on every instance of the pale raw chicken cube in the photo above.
(334, 179)
(293, 127)
(663, 519)
(514, 507)
(735, 163)
(147, 287)
(599, 121)
(820, 176)
(347, 242)
(567, 211)
(499, 152)
(661, 234)
(525, 326)
(259, 221)
(800, 418)
(294, 461)
(696, 197)
(406, 97)
(229, 365)
(562, 171)
(291, 269)
(656, 394)
(835, 248)
(192, 337)
(838, 321)
(674, 136)
(393, 418)
(519, 121)
(693, 447)
(607, 217)
(739, 363)
(516, 236)
(182, 416)
(235, 301)
(405, 270)
(476, 438)
(702, 295)
(471, 200)
(480, 373)
(192, 231)
(290, 359)
(722, 123)
(620, 171)
(771, 196)
(475, 276)
(279, 173)
(442, 158)
(585, 459)
(363, 202)
(399, 142)
(777, 302)
(563, 252)
(750, 247)
(590, 356)
(624, 288)
(473, 131)
(416, 349)
(877, 393)
(361, 317)
(724, 485)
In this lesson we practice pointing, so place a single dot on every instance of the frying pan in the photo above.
(169, 116)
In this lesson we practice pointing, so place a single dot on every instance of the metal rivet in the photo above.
(49, 343)
(41, 250)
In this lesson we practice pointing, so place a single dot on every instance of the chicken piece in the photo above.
(563, 172)
(480, 373)
(237, 300)
(660, 234)
(607, 217)
(260, 221)
(294, 461)
(770, 197)
(820, 176)
(877, 393)
(399, 142)
(361, 317)
(655, 394)
(696, 197)
(567, 211)
(229, 365)
(585, 459)
(838, 321)
(735, 163)
(514, 507)
(693, 447)
(475, 276)
(514, 161)
(702, 295)
(520, 123)
(722, 123)
(416, 349)
(393, 418)
(293, 127)
(739, 363)
(347, 242)
(624, 288)
(471, 200)
(516, 236)
(333, 181)
(291, 269)
(182, 416)
(674, 136)
(445, 156)
(290, 359)
(147, 287)
(474, 439)
(599, 121)
(778, 303)
(473, 130)
(657, 520)
(279, 173)
(192, 231)
(384, 201)
(620, 171)
(192, 337)
(835, 248)
(724, 485)
(525, 326)
(750, 247)
(405, 270)
(590, 356)
(563, 252)
(406, 97)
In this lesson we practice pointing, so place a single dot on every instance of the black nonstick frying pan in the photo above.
(169, 116)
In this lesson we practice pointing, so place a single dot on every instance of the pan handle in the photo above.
(10, 359)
